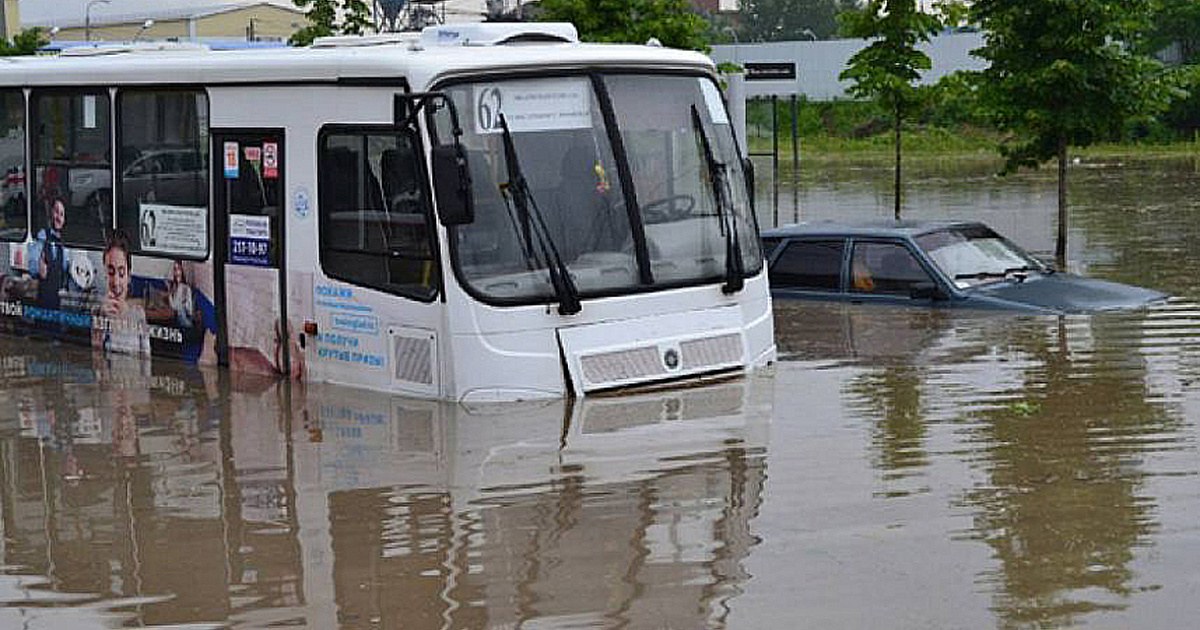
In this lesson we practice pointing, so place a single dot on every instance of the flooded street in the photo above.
(897, 468)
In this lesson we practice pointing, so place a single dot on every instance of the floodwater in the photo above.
(895, 469)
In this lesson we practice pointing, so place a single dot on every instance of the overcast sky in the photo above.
(51, 11)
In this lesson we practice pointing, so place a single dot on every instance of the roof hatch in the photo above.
(498, 33)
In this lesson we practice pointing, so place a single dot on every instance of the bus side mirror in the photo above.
(452, 185)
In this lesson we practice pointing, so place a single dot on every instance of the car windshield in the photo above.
(975, 254)
(576, 205)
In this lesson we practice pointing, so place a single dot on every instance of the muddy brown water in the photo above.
(896, 468)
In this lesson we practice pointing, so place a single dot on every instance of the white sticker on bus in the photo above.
(249, 240)
(542, 105)
(89, 111)
(181, 230)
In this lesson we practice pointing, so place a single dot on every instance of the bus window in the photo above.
(573, 213)
(376, 229)
(13, 217)
(162, 174)
(71, 163)
(665, 122)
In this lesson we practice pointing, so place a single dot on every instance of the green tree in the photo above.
(888, 68)
(1175, 22)
(784, 20)
(1062, 73)
(323, 19)
(1183, 116)
(672, 22)
(356, 17)
(27, 42)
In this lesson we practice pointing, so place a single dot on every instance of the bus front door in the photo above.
(248, 197)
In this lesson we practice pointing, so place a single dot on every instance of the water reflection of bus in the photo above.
(391, 212)
(209, 502)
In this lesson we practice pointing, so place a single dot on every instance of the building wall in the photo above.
(163, 29)
(270, 22)
(819, 63)
(10, 19)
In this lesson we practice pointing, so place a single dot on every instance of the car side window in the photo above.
(885, 268)
(814, 265)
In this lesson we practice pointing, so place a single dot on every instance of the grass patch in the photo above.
(1139, 149)
(943, 143)
(927, 142)
(949, 128)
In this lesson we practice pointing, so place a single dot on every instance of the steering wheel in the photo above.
(668, 209)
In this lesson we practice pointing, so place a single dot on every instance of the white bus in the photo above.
(477, 213)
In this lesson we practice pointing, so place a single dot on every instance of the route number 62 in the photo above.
(487, 109)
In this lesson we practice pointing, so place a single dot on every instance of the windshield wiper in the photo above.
(1020, 273)
(735, 269)
(533, 224)
(980, 275)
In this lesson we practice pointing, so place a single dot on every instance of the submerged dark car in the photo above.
(930, 264)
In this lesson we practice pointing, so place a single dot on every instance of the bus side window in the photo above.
(12, 166)
(162, 165)
(72, 166)
(376, 226)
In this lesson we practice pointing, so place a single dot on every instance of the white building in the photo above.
(811, 68)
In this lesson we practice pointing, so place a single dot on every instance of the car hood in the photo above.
(1067, 293)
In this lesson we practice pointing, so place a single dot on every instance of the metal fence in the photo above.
(760, 132)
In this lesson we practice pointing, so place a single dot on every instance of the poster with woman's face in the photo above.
(175, 297)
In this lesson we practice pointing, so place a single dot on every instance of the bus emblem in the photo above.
(671, 359)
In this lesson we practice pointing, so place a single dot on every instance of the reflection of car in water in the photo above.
(936, 264)
(813, 330)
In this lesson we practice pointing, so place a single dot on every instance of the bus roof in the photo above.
(337, 60)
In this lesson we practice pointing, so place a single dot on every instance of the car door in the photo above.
(887, 271)
(808, 268)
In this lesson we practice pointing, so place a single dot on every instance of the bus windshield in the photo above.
(671, 220)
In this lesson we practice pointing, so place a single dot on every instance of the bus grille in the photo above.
(699, 353)
(622, 365)
(691, 356)
(414, 360)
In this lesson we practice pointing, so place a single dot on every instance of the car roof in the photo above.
(874, 228)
